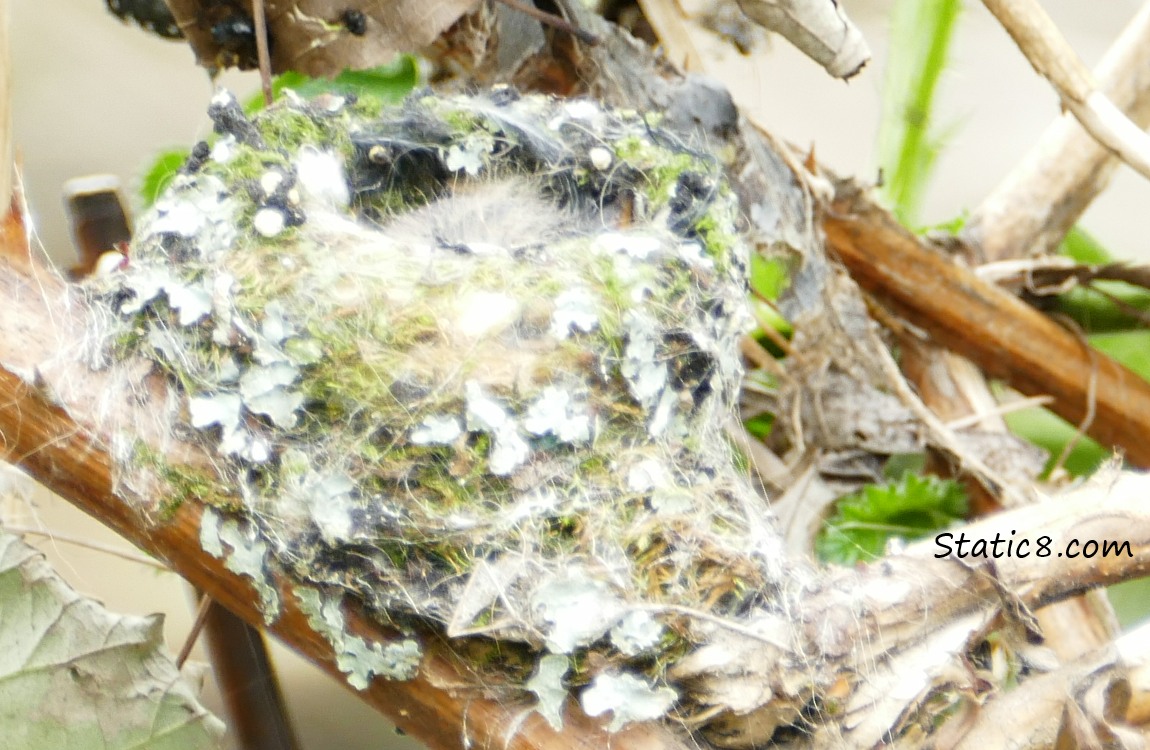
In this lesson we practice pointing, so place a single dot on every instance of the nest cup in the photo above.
(467, 360)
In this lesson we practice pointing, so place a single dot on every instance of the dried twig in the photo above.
(6, 165)
(257, 715)
(1052, 56)
(260, 18)
(552, 20)
(1001, 334)
(819, 28)
(1043, 196)
(202, 608)
(55, 536)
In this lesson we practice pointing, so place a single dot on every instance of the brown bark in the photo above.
(997, 331)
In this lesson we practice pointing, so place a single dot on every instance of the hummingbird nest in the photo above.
(467, 360)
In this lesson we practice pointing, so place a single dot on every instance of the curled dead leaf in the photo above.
(314, 37)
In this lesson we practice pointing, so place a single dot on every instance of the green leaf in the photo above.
(388, 83)
(1106, 307)
(768, 276)
(1051, 433)
(74, 676)
(759, 426)
(1130, 348)
(1081, 247)
(1131, 600)
(163, 169)
(909, 509)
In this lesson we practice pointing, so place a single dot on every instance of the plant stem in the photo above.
(920, 38)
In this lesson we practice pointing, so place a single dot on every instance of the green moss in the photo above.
(247, 164)
(289, 129)
(367, 108)
(457, 560)
(185, 482)
(660, 168)
(446, 492)
(719, 238)
(461, 121)
(494, 658)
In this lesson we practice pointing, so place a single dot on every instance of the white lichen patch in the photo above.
(437, 430)
(482, 312)
(269, 222)
(575, 610)
(576, 310)
(466, 158)
(330, 502)
(322, 178)
(262, 379)
(647, 474)
(249, 558)
(484, 413)
(467, 362)
(638, 632)
(642, 367)
(628, 698)
(508, 449)
(547, 685)
(264, 391)
(223, 409)
(192, 301)
(210, 533)
(359, 659)
(556, 413)
(200, 209)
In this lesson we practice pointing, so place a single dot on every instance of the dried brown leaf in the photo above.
(314, 37)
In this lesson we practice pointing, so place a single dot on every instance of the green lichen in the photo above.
(358, 658)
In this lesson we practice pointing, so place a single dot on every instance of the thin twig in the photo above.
(944, 437)
(1053, 58)
(107, 549)
(997, 331)
(1007, 408)
(202, 610)
(554, 21)
(7, 167)
(1031, 210)
(259, 15)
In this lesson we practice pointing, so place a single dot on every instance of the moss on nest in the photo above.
(488, 331)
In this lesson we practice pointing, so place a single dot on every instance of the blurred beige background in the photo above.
(93, 95)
